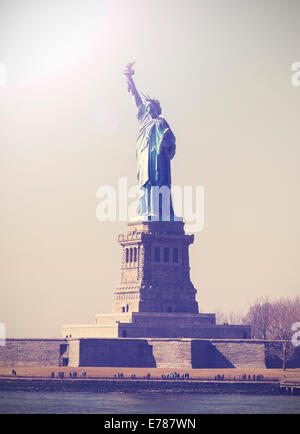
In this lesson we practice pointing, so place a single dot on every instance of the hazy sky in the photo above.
(222, 72)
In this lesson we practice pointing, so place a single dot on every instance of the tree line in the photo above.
(270, 320)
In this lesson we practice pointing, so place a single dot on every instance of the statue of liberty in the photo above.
(155, 148)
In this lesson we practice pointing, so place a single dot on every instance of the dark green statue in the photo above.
(154, 150)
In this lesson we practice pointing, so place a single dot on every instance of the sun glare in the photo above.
(43, 41)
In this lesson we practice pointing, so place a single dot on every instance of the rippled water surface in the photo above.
(144, 403)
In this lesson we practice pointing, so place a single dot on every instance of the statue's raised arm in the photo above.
(129, 72)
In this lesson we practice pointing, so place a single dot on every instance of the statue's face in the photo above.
(153, 109)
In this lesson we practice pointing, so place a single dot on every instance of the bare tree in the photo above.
(273, 320)
(221, 317)
(229, 317)
(285, 313)
(260, 316)
(235, 318)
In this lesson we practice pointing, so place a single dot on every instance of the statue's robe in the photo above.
(154, 150)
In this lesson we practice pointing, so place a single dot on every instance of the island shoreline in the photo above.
(139, 386)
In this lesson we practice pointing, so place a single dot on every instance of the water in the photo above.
(145, 403)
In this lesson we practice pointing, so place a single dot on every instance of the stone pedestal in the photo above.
(155, 297)
(155, 270)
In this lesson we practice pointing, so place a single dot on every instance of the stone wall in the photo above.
(111, 352)
(167, 353)
(237, 354)
(172, 353)
(124, 352)
(133, 330)
(32, 352)
(74, 353)
(156, 325)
